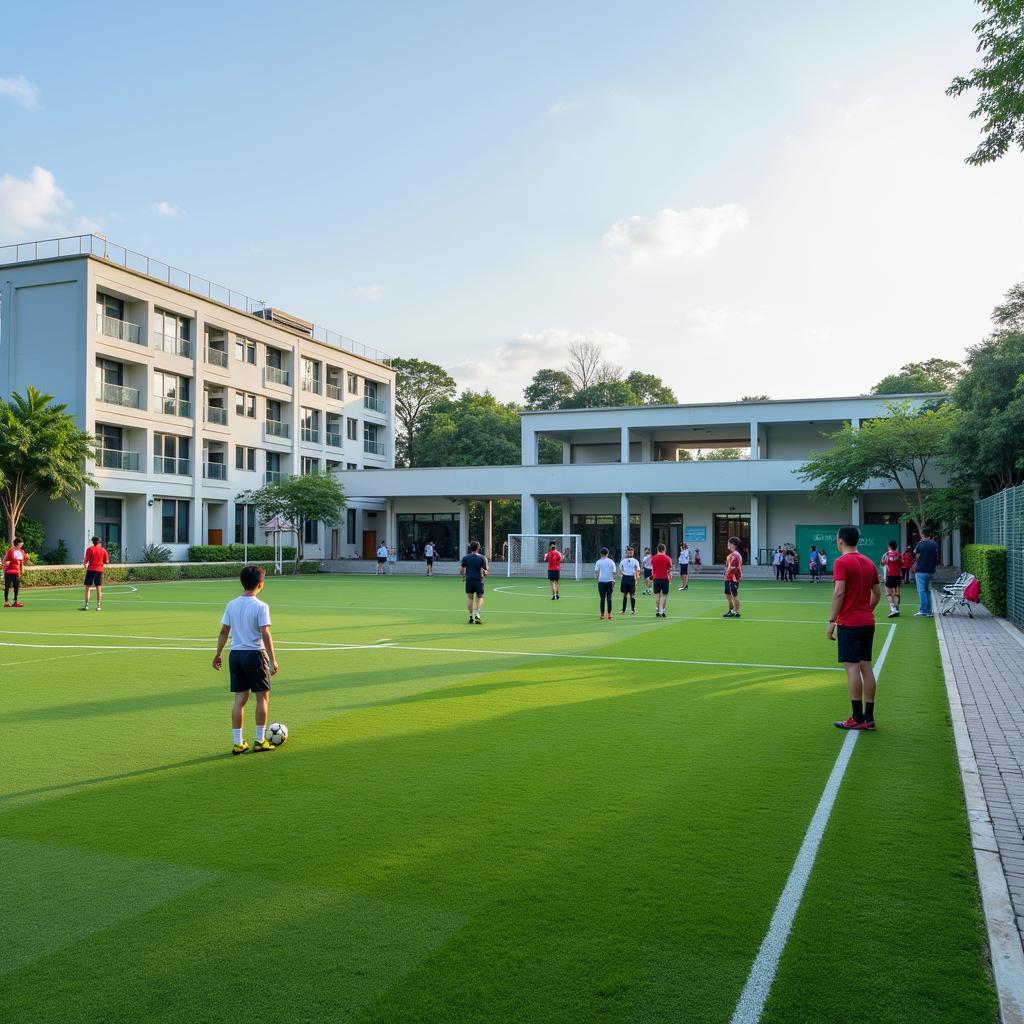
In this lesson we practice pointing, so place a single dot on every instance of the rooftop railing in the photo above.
(94, 245)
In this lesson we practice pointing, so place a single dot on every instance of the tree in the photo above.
(899, 448)
(719, 455)
(587, 366)
(471, 430)
(650, 389)
(1009, 315)
(548, 389)
(602, 395)
(919, 378)
(756, 398)
(42, 451)
(998, 80)
(419, 385)
(312, 498)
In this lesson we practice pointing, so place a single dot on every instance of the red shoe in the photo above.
(851, 723)
(17, 604)
(7, 604)
(870, 726)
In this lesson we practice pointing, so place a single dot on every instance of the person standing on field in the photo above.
(778, 560)
(382, 560)
(926, 557)
(733, 576)
(645, 562)
(684, 566)
(814, 565)
(428, 554)
(474, 570)
(604, 570)
(95, 560)
(855, 593)
(553, 557)
(892, 567)
(629, 567)
(14, 562)
(661, 575)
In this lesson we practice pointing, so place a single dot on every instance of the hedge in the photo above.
(988, 563)
(67, 576)
(236, 553)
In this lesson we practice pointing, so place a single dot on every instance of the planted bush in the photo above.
(71, 576)
(236, 553)
(988, 563)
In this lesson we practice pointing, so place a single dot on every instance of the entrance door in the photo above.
(107, 519)
(215, 537)
(370, 544)
(731, 525)
(667, 530)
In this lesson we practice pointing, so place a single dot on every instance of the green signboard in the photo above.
(874, 542)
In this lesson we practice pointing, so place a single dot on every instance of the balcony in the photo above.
(174, 407)
(216, 357)
(376, 404)
(334, 439)
(120, 329)
(111, 458)
(215, 471)
(311, 434)
(172, 467)
(273, 476)
(275, 375)
(275, 428)
(334, 392)
(212, 414)
(115, 394)
(175, 345)
(312, 385)
(374, 447)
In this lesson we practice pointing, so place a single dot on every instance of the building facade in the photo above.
(195, 394)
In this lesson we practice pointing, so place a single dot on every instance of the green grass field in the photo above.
(515, 822)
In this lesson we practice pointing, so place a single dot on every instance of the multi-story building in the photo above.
(195, 394)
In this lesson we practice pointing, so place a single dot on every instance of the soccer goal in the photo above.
(526, 553)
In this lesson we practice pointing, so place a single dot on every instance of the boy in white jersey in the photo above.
(629, 568)
(252, 662)
(645, 563)
(604, 569)
(684, 566)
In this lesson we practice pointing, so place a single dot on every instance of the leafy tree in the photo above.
(650, 389)
(756, 398)
(419, 385)
(1009, 315)
(311, 498)
(548, 389)
(899, 448)
(719, 454)
(471, 430)
(31, 531)
(602, 395)
(998, 80)
(919, 378)
(42, 451)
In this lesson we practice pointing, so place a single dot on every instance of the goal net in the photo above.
(526, 553)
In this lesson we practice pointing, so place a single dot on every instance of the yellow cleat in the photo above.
(240, 748)
(258, 745)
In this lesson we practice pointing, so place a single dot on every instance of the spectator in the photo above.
(778, 560)
(926, 556)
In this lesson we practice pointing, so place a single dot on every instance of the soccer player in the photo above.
(892, 569)
(14, 560)
(646, 563)
(554, 560)
(428, 554)
(96, 558)
(629, 567)
(854, 596)
(382, 560)
(252, 662)
(814, 565)
(733, 576)
(604, 569)
(474, 569)
(661, 574)
(684, 566)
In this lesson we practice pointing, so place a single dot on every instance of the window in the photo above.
(245, 350)
(353, 384)
(245, 514)
(245, 404)
(350, 526)
(107, 305)
(351, 465)
(108, 371)
(311, 376)
(311, 532)
(273, 410)
(245, 458)
(273, 462)
(174, 521)
(172, 332)
(170, 454)
(352, 428)
(108, 525)
(370, 389)
(109, 438)
(172, 394)
(310, 465)
(274, 358)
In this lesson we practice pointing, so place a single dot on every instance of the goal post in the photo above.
(526, 553)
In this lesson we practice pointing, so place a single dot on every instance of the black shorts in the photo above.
(732, 588)
(475, 587)
(93, 578)
(12, 579)
(855, 643)
(661, 586)
(249, 671)
(893, 582)
(430, 559)
(554, 574)
(684, 568)
(815, 570)
(381, 561)
(628, 584)
(648, 573)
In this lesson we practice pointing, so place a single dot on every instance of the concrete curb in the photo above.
(1004, 939)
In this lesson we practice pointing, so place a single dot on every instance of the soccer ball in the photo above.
(277, 733)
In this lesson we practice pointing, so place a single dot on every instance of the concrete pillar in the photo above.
(566, 516)
(391, 525)
(855, 511)
(624, 445)
(489, 528)
(566, 453)
(755, 440)
(755, 528)
(645, 523)
(957, 545)
(624, 524)
(646, 449)
(528, 515)
(529, 444)
(463, 527)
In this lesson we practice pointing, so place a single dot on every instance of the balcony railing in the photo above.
(334, 439)
(173, 406)
(120, 329)
(275, 428)
(275, 375)
(112, 458)
(311, 384)
(374, 447)
(115, 394)
(376, 404)
(174, 467)
(334, 392)
(216, 357)
(173, 344)
(214, 415)
(215, 471)
(273, 476)
(311, 434)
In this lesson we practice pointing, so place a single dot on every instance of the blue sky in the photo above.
(741, 198)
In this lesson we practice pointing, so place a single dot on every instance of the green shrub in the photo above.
(155, 553)
(32, 533)
(48, 576)
(58, 556)
(236, 552)
(988, 563)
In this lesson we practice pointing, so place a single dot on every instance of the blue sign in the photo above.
(695, 534)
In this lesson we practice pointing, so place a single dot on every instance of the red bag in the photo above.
(972, 591)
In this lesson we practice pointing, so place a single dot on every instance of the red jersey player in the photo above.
(733, 575)
(661, 573)
(96, 558)
(892, 570)
(13, 562)
(554, 560)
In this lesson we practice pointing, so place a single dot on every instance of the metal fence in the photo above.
(1000, 520)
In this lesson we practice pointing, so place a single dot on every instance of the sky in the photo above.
(741, 198)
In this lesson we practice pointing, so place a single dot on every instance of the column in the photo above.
(528, 515)
(566, 453)
(528, 437)
(755, 528)
(855, 511)
(623, 524)
(755, 443)
(489, 528)
(624, 445)
(566, 517)
(646, 449)
(645, 523)
(957, 544)
(463, 527)
(391, 525)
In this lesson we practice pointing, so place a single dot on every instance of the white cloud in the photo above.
(21, 90)
(166, 209)
(31, 206)
(563, 107)
(671, 234)
(371, 292)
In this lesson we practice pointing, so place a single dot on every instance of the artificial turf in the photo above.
(460, 830)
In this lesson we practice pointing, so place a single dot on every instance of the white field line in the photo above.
(168, 639)
(762, 973)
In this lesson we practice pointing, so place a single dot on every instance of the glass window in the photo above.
(274, 358)
(245, 514)
(351, 465)
(353, 429)
(273, 410)
(311, 532)
(273, 462)
(350, 526)
(353, 384)
(245, 458)
(245, 404)
(109, 437)
(174, 521)
(310, 465)
(245, 350)
(107, 305)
